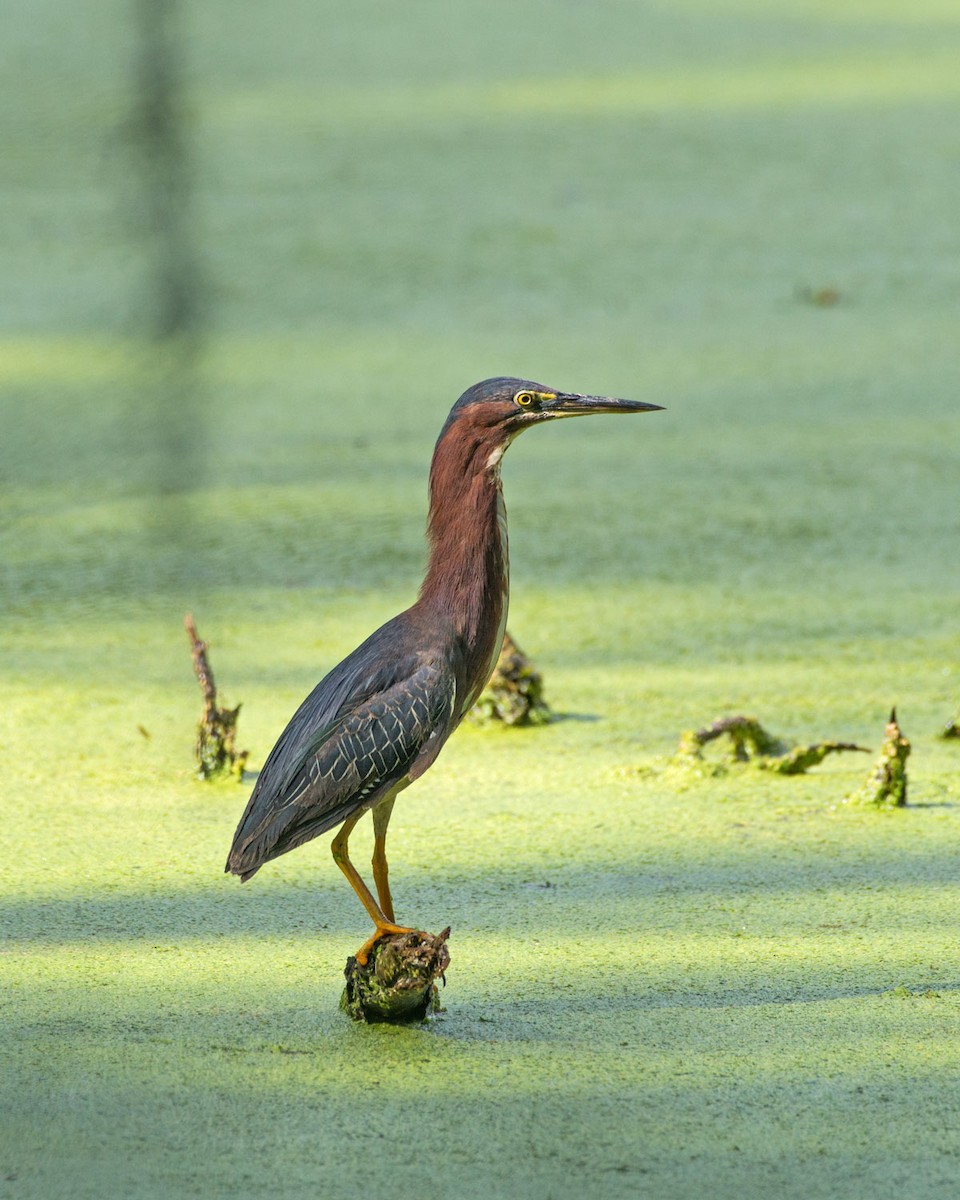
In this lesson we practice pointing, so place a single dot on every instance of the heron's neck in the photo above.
(468, 572)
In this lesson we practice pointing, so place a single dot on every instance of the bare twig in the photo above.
(215, 751)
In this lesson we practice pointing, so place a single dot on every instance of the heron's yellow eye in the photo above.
(524, 398)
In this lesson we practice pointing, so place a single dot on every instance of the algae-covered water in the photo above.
(666, 987)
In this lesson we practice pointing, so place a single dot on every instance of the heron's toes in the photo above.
(381, 931)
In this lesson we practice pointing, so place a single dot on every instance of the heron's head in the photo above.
(504, 407)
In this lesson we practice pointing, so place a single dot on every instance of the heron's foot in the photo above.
(381, 931)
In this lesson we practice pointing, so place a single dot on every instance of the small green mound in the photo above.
(514, 695)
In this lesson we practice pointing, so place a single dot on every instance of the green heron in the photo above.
(380, 718)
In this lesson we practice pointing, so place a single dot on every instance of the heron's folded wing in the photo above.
(370, 744)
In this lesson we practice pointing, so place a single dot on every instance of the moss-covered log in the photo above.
(215, 750)
(514, 694)
(398, 983)
(751, 743)
(886, 785)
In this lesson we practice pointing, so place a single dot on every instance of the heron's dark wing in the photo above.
(360, 731)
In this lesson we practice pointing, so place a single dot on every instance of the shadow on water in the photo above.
(633, 896)
(558, 978)
(568, 1018)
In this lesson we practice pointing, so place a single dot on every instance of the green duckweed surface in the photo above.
(738, 986)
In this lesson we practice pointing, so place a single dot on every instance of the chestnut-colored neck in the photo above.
(467, 580)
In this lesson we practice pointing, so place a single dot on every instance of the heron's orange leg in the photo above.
(381, 819)
(342, 858)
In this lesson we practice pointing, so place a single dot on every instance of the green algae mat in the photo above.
(731, 984)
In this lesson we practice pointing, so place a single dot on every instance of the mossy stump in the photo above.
(398, 983)
(514, 695)
(886, 785)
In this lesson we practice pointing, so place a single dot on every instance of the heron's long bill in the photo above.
(573, 405)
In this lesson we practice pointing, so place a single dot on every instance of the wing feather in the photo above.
(362, 730)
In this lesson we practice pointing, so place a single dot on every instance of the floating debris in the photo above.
(952, 729)
(821, 297)
(398, 983)
(514, 694)
(751, 743)
(215, 750)
(886, 786)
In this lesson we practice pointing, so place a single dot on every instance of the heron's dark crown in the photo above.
(503, 387)
(489, 405)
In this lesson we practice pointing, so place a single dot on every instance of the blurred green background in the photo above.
(249, 255)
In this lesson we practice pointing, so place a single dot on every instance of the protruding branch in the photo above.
(798, 760)
(747, 737)
(216, 750)
(751, 743)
